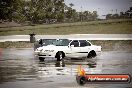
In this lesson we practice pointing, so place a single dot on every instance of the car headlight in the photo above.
(39, 49)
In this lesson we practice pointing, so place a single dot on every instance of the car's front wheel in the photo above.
(41, 59)
(59, 56)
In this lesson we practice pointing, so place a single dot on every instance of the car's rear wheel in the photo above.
(59, 56)
(41, 59)
(91, 54)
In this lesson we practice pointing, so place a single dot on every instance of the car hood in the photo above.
(51, 47)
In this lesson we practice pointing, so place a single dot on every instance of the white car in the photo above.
(71, 48)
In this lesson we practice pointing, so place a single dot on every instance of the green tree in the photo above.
(11, 9)
(70, 13)
(94, 15)
(18, 14)
(5, 9)
(58, 10)
(71, 5)
(45, 10)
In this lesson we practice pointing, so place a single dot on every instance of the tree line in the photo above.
(123, 15)
(42, 11)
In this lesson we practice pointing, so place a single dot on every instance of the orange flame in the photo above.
(81, 71)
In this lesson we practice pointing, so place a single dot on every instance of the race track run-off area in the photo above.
(20, 68)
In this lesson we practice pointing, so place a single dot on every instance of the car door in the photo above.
(74, 49)
(84, 47)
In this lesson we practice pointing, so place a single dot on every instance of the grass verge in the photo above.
(93, 27)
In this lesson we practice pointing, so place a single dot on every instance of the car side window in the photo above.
(84, 43)
(75, 43)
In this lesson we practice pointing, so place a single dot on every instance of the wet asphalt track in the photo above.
(19, 68)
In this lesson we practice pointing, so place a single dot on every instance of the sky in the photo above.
(102, 6)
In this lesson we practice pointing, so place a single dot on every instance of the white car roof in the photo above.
(69, 38)
(77, 38)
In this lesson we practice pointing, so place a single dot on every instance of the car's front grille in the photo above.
(44, 55)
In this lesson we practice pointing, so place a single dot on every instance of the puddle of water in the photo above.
(14, 65)
(21, 65)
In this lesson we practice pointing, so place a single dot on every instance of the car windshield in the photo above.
(61, 42)
(46, 42)
(56, 42)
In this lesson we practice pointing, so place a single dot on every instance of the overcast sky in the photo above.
(102, 6)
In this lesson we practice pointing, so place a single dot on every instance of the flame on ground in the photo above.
(81, 71)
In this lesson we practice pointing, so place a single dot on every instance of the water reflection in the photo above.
(64, 67)
(60, 63)
(21, 65)
(16, 65)
(51, 63)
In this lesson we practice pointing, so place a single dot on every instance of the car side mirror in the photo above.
(43, 44)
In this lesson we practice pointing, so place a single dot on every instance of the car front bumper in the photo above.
(45, 54)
